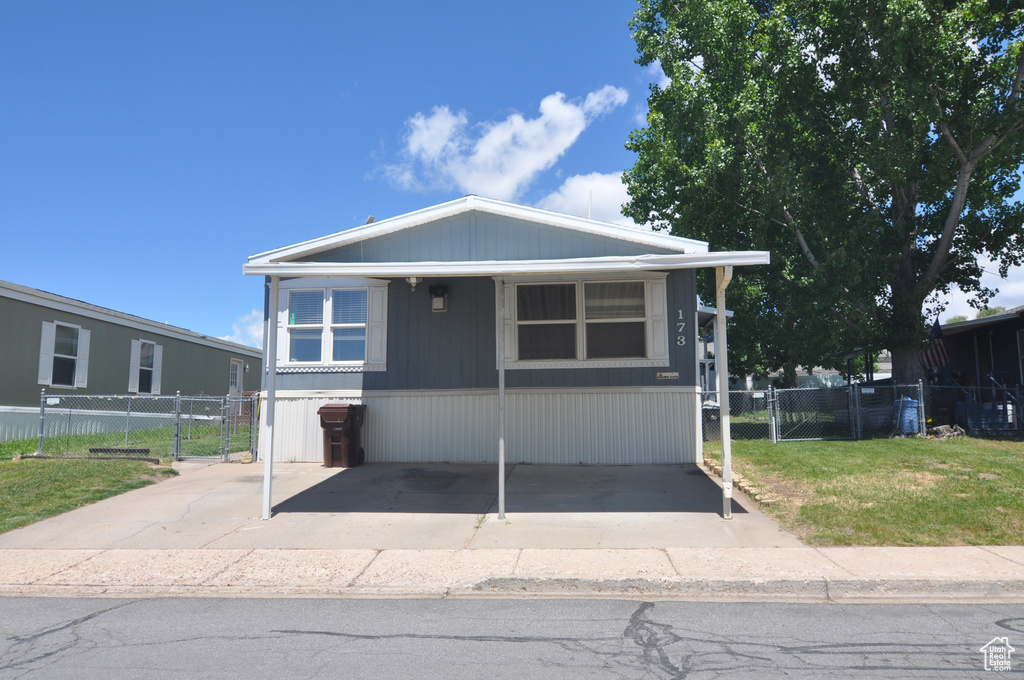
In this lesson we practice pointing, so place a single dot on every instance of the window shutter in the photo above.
(657, 320)
(46, 353)
(133, 366)
(509, 291)
(82, 365)
(158, 359)
(376, 327)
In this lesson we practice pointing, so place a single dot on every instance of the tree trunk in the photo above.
(907, 367)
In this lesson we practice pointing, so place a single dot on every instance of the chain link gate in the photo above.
(813, 413)
(848, 412)
(178, 427)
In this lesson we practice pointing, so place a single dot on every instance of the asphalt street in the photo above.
(85, 638)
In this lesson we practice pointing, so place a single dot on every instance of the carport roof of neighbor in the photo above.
(683, 254)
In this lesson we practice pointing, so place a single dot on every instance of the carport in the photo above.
(590, 319)
(722, 262)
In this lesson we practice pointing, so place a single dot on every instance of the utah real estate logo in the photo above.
(997, 654)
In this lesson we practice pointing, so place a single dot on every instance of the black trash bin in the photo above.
(342, 442)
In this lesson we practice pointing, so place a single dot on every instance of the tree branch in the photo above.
(862, 189)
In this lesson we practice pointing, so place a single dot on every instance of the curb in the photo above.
(740, 590)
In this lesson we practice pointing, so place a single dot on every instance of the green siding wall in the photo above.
(188, 367)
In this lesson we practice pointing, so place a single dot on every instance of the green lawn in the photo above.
(890, 491)
(31, 490)
(197, 441)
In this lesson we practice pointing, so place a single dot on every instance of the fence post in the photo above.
(225, 428)
(857, 432)
(127, 420)
(773, 434)
(922, 425)
(42, 421)
(177, 425)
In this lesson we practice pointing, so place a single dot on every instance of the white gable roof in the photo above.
(486, 205)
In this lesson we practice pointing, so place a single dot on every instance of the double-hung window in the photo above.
(63, 355)
(333, 327)
(145, 366)
(574, 323)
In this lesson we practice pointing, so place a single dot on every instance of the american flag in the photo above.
(935, 353)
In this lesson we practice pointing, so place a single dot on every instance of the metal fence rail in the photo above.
(819, 413)
(175, 427)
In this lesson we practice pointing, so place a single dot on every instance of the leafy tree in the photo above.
(873, 146)
(957, 319)
(990, 311)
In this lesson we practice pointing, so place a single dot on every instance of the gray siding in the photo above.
(475, 236)
(188, 367)
(456, 349)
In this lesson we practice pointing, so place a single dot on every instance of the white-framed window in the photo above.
(145, 367)
(578, 322)
(63, 355)
(333, 324)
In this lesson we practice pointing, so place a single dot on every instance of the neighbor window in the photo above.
(63, 355)
(145, 367)
(340, 326)
(586, 322)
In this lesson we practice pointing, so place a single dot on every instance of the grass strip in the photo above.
(882, 492)
(31, 490)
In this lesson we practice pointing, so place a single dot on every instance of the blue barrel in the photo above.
(905, 412)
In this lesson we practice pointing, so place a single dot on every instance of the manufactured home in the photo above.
(483, 331)
(68, 347)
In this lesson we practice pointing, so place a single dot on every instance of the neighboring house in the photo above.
(981, 385)
(476, 326)
(990, 346)
(68, 347)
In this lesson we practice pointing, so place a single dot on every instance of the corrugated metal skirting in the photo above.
(631, 426)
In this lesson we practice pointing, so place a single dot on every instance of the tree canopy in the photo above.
(873, 146)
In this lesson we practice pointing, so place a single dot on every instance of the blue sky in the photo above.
(148, 148)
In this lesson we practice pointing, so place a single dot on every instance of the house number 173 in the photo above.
(680, 325)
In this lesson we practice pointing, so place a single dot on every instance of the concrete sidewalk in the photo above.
(197, 535)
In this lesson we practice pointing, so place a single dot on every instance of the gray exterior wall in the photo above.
(456, 349)
(188, 367)
(475, 236)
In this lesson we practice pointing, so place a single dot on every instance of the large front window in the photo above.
(586, 322)
(341, 326)
(346, 333)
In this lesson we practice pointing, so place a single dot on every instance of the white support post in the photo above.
(270, 366)
(501, 399)
(722, 277)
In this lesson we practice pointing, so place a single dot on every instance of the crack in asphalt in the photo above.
(26, 646)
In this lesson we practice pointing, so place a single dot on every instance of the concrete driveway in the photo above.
(414, 507)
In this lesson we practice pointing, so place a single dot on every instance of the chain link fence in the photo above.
(177, 427)
(817, 413)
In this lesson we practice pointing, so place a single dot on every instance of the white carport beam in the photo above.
(501, 398)
(270, 361)
(722, 277)
(579, 265)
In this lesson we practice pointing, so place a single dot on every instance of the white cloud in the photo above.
(598, 195)
(501, 161)
(247, 330)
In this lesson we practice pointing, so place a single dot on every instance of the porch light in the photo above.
(413, 281)
(439, 298)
